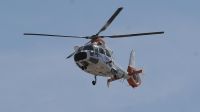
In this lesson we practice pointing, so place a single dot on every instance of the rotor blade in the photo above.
(37, 34)
(110, 20)
(70, 55)
(136, 34)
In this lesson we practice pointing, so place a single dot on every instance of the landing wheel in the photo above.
(95, 80)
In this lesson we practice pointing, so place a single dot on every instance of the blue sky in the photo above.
(36, 77)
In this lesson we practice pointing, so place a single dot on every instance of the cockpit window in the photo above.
(108, 53)
(96, 50)
(88, 47)
(101, 51)
(80, 48)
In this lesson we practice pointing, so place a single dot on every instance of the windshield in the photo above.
(80, 48)
(88, 47)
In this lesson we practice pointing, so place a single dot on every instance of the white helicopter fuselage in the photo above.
(98, 61)
(95, 58)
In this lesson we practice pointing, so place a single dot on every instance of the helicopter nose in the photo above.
(80, 56)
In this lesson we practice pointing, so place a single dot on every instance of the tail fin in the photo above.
(134, 78)
(131, 59)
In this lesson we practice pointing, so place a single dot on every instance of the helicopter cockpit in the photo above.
(92, 54)
(91, 50)
(95, 49)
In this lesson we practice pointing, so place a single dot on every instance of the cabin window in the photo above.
(101, 51)
(108, 53)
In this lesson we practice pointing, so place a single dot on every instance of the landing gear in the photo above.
(95, 80)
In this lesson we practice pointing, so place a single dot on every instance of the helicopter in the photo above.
(96, 58)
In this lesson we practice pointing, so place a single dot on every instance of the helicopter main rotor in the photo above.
(101, 30)
(110, 20)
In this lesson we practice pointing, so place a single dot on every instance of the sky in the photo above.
(36, 77)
